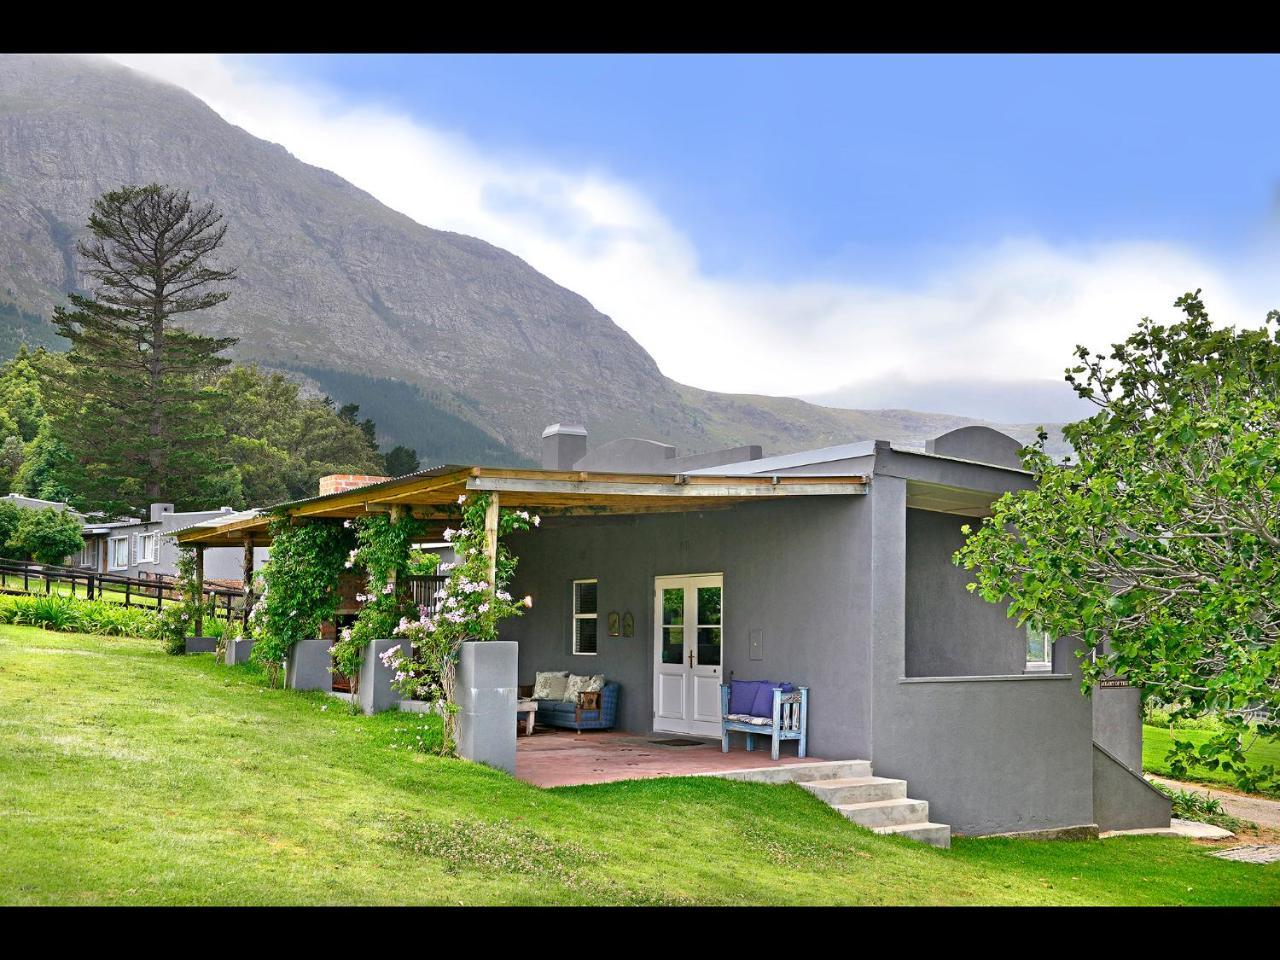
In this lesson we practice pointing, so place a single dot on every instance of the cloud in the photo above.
(1001, 317)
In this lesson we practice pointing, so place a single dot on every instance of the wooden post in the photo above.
(491, 539)
(199, 578)
(247, 572)
(397, 512)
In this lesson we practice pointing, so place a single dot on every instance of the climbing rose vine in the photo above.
(466, 608)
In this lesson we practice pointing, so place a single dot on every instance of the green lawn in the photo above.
(1157, 740)
(127, 776)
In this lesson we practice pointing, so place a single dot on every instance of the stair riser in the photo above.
(889, 815)
(859, 793)
(935, 835)
(801, 773)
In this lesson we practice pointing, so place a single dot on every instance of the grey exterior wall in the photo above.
(795, 569)
(951, 632)
(1122, 800)
(993, 755)
(1117, 723)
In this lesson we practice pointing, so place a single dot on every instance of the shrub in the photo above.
(71, 615)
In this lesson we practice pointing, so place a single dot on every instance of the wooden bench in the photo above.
(790, 720)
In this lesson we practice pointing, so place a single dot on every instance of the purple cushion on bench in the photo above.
(742, 695)
(763, 705)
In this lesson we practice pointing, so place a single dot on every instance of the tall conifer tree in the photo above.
(130, 408)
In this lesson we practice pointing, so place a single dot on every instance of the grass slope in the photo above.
(127, 776)
(1156, 742)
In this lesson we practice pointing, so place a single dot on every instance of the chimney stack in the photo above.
(563, 445)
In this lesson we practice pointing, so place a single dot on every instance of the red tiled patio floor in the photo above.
(562, 758)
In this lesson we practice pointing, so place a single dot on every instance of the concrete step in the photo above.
(800, 772)
(856, 789)
(886, 813)
(934, 834)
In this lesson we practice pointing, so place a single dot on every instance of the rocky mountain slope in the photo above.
(348, 294)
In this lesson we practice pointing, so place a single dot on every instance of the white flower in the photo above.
(462, 498)
(536, 520)
(450, 533)
(528, 602)
(389, 588)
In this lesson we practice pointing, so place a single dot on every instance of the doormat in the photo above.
(678, 743)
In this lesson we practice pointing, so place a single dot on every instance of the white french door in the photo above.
(688, 632)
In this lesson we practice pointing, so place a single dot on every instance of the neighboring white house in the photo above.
(145, 548)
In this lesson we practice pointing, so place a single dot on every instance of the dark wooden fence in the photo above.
(24, 576)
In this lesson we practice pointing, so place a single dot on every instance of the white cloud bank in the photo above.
(1002, 315)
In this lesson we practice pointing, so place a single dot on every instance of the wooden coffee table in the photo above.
(528, 708)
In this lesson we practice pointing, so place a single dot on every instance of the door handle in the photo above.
(690, 659)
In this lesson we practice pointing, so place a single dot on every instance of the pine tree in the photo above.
(129, 407)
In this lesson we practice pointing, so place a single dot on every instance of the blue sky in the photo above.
(858, 165)
(927, 231)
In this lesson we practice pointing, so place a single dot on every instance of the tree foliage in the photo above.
(1160, 544)
(46, 536)
(280, 443)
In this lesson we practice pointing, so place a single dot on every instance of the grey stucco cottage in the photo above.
(857, 598)
(830, 569)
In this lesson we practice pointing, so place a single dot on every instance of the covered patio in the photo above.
(561, 758)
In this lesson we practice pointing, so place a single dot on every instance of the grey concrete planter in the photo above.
(238, 651)
(201, 644)
(421, 706)
(487, 703)
(307, 667)
(374, 689)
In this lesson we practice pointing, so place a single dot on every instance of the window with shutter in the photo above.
(585, 619)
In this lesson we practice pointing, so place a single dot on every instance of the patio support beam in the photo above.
(247, 571)
(199, 577)
(491, 539)
(397, 511)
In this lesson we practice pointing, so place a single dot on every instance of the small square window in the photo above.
(1039, 649)
(585, 620)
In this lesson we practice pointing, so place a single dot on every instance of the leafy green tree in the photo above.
(48, 470)
(1160, 545)
(10, 514)
(401, 460)
(131, 410)
(350, 413)
(12, 455)
(47, 536)
(21, 396)
(282, 442)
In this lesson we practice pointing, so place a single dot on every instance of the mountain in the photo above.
(452, 345)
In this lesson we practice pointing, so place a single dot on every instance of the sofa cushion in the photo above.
(763, 704)
(550, 685)
(742, 695)
(577, 685)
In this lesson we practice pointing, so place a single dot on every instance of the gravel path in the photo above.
(1265, 813)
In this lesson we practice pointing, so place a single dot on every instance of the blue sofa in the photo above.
(566, 714)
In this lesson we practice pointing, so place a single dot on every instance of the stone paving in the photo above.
(563, 758)
(1252, 853)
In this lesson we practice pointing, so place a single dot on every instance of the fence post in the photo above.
(126, 591)
(88, 586)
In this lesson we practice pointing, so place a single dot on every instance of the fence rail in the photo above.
(24, 576)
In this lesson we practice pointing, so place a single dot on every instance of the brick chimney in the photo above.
(563, 445)
(341, 482)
